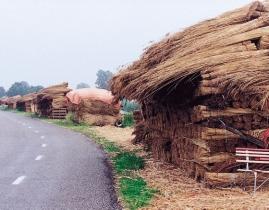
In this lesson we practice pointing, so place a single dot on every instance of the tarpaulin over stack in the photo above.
(93, 106)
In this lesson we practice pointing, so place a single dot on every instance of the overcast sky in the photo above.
(50, 41)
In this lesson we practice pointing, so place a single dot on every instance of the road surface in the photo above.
(43, 166)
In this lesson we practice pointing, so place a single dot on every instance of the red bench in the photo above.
(253, 156)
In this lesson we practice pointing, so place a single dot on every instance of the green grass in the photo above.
(128, 161)
(135, 192)
(128, 120)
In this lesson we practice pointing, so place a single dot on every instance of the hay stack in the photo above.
(93, 106)
(217, 69)
(51, 101)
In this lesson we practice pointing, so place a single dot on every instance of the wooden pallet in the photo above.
(58, 113)
(28, 109)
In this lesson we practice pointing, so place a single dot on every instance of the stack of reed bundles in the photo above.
(26, 103)
(188, 82)
(3, 101)
(93, 106)
(12, 101)
(52, 100)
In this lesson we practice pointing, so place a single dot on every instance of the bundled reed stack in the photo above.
(27, 103)
(3, 101)
(192, 82)
(51, 101)
(12, 101)
(93, 106)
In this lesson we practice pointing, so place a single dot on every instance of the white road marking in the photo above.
(18, 180)
(42, 137)
(44, 145)
(36, 131)
(29, 127)
(39, 157)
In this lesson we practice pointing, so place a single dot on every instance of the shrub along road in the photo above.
(47, 167)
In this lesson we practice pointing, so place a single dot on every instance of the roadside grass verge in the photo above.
(133, 190)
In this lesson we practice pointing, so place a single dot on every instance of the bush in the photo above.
(3, 107)
(130, 106)
(70, 117)
(128, 161)
(128, 120)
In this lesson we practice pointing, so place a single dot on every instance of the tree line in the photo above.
(19, 88)
(23, 88)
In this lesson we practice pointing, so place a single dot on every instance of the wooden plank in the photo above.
(262, 171)
(252, 155)
(251, 149)
(253, 152)
(244, 170)
(59, 111)
(252, 161)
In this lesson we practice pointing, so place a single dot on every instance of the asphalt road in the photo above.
(43, 166)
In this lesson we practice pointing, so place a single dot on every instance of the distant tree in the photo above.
(103, 79)
(18, 88)
(2, 92)
(22, 88)
(82, 85)
(34, 89)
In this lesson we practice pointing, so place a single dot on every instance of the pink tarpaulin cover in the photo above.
(76, 96)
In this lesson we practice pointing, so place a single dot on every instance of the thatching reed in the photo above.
(217, 69)
(93, 106)
(51, 101)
